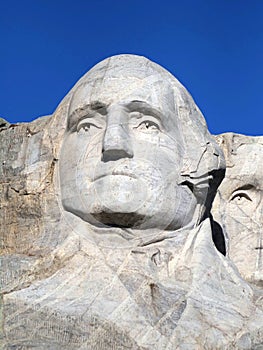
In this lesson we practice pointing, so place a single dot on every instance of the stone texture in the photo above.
(238, 206)
(107, 241)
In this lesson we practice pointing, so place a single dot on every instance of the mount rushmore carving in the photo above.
(108, 241)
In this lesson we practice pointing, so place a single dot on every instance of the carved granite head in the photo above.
(238, 205)
(136, 152)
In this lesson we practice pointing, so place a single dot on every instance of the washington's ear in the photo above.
(202, 154)
(203, 166)
(202, 160)
(204, 172)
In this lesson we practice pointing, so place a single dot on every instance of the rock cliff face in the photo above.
(29, 209)
(107, 241)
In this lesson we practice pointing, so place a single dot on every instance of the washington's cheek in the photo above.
(157, 145)
(174, 207)
(181, 206)
(167, 161)
(76, 161)
(166, 202)
(68, 161)
(87, 153)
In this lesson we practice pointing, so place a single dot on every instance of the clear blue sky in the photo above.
(214, 47)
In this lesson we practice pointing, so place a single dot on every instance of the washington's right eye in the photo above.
(148, 125)
(86, 127)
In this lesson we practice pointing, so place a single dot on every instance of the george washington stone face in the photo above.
(124, 149)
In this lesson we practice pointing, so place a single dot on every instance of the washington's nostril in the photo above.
(115, 154)
(117, 142)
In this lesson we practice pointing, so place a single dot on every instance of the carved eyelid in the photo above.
(147, 120)
(148, 115)
(155, 124)
(86, 120)
(241, 191)
(84, 112)
(143, 107)
(83, 123)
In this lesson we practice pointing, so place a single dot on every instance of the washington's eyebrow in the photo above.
(86, 111)
(144, 107)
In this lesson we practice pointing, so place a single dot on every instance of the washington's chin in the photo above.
(118, 214)
(122, 201)
(101, 216)
(134, 220)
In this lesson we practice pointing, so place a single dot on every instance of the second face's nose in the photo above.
(116, 142)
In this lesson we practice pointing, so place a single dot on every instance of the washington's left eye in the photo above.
(148, 125)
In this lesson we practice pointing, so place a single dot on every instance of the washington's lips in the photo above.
(115, 172)
(134, 170)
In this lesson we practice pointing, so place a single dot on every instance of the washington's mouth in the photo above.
(122, 220)
(117, 172)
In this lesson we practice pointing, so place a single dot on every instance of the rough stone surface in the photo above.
(238, 206)
(106, 235)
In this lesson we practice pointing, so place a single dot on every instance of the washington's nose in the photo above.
(116, 142)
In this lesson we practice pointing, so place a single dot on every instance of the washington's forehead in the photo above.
(151, 89)
(126, 65)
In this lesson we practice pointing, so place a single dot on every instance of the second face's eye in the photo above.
(240, 197)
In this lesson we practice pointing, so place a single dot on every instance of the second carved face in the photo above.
(239, 205)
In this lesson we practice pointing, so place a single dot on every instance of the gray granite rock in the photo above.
(3, 123)
(239, 203)
(107, 241)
